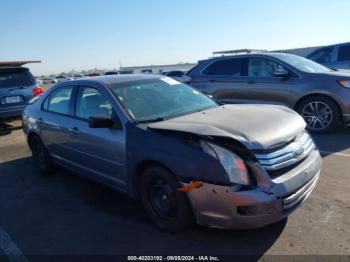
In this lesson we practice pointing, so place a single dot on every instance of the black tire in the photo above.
(165, 205)
(41, 157)
(325, 118)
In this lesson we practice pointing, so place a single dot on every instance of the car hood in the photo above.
(339, 73)
(257, 127)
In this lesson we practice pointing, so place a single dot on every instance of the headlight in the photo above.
(235, 167)
(344, 83)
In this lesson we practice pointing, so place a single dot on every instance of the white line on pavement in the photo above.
(334, 153)
(10, 248)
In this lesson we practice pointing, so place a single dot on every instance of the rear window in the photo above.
(344, 53)
(16, 78)
(231, 67)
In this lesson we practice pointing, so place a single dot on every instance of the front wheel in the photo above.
(165, 205)
(320, 113)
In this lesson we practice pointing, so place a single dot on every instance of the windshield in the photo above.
(303, 64)
(158, 99)
(16, 78)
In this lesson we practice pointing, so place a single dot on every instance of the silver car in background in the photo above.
(183, 155)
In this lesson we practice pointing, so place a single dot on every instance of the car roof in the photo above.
(262, 54)
(13, 68)
(115, 79)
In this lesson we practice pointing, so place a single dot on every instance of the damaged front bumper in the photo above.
(270, 201)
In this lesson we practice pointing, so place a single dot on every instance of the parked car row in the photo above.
(62, 78)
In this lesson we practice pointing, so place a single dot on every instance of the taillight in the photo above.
(188, 80)
(37, 91)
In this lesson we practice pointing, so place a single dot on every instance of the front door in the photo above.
(263, 87)
(97, 150)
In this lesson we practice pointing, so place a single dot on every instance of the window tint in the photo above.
(344, 53)
(16, 78)
(323, 55)
(59, 100)
(260, 67)
(232, 67)
(90, 102)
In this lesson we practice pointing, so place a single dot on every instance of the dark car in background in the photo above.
(178, 75)
(320, 94)
(17, 87)
(108, 73)
(333, 56)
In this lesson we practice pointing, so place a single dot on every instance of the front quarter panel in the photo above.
(185, 161)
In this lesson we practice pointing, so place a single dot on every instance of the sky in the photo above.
(86, 34)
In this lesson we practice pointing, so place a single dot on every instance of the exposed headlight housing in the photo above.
(235, 167)
(344, 83)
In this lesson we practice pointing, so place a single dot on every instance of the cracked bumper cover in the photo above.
(271, 201)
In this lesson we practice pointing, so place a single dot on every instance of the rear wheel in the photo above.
(41, 157)
(166, 206)
(321, 114)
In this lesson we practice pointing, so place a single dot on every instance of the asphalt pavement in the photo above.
(67, 214)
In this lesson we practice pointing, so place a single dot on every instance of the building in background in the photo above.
(155, 69)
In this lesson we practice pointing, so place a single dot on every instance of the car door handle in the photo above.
(74, 130)
(43, 122)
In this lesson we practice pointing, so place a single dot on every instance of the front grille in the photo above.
(290, 201)
(287, 156)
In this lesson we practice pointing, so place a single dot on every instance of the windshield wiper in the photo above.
(158, 119)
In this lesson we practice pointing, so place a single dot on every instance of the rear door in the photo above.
(263, 87)
(343, 57)
(16, 86)
(57, 112)
(223, 79)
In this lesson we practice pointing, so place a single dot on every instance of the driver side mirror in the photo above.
(103, 122)
(280, 72)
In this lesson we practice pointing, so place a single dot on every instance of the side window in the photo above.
(323, 55)
(59, 100)
(344, 53)
(230, 67)
(260, 67)
(90, 102)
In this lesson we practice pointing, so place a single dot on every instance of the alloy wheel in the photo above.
(318, 115)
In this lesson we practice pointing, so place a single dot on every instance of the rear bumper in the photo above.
(12, 112)
(271, 201)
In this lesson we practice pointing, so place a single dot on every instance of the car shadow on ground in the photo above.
(334, 142)
(66, 213)
(6, 128)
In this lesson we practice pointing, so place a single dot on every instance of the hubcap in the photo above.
(162, 199)
(317, 115)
